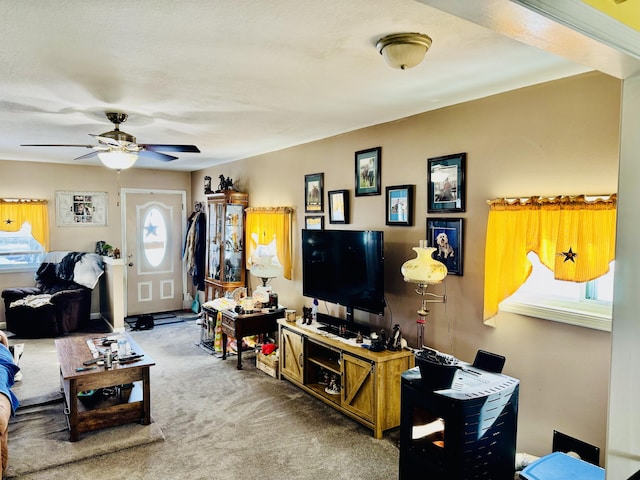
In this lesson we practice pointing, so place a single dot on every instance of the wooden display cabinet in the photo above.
(362, 384)
(226, 268)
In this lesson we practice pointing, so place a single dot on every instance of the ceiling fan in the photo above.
(119, 150)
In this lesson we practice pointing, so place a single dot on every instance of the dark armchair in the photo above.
(58, 304)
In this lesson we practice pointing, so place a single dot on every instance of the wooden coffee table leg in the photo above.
(72, 405)
(146, 396)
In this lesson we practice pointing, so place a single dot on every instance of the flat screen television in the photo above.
(344, 267)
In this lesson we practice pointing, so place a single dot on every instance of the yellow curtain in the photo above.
(266, 224)
(573, 237)
(15, 211)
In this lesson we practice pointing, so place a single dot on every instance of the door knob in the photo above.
(130, 264)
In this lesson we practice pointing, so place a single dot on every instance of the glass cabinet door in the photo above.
(215, 236)
(233, 245)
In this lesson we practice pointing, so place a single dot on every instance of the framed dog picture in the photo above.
(445, 235)
(446, 183)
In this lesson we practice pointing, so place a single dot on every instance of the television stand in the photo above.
(333, 325)
(359, 383)
(336, 331)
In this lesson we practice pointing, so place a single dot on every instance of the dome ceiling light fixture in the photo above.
(403, 50)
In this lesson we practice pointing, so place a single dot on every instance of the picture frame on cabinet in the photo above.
(368, 171)
(399, 205)
(314, 193)
(446, 183)
(339, 206)
(314, 222)
(446, 236)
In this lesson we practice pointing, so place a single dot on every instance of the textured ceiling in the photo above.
(236, 78)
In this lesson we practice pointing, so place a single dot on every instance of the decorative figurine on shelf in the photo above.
(377, 342)
(225, 184)
(116, 253)
(333, 388)
(306, 316)
(395, 340)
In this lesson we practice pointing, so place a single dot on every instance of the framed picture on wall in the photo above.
(399, 205)
(445, 235)
(368, 171)
(81, 209)
(314, 222)
(446, 183)
(314, 192)
(339, 206)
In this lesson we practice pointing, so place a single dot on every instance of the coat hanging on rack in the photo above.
(195, 245)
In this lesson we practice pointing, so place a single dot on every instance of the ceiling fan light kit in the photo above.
(118, 150)
(403, 50)
(118, 160)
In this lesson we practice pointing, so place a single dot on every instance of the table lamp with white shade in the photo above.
(266, 268)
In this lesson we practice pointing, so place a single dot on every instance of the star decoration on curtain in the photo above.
(8, 221)
(570, 255)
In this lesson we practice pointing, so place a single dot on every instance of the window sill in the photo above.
(582, 314)
(18, 268)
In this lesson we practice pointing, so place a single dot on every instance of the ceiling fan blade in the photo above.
(169, 148)
(87, 156)
(156, 155)
(55, 145)
(106, 140)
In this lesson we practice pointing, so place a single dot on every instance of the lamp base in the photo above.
(261, 293)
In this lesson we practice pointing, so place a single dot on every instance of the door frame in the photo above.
(123, 230)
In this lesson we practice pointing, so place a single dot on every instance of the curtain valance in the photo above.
(573, 236)
(14, 212)
(269, 233)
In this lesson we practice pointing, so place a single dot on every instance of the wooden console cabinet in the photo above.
(368, 384)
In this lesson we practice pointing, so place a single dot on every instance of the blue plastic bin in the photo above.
(560, 466)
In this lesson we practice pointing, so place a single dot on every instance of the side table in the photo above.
(240, 326)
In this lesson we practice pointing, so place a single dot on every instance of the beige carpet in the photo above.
(39, 439)
(39, 433)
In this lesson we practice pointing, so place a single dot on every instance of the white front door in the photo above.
(154, 224)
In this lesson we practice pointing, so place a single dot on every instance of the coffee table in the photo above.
(83, 416)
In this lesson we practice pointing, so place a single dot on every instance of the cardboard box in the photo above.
(268, 364)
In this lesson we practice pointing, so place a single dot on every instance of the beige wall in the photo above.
(42, 180)
(555, 138)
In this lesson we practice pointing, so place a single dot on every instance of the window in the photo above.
(19, 250)
(24, 233)
(154, 237)
(573, 236)
(586, 304)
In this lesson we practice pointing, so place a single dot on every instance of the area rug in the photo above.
(39, 438)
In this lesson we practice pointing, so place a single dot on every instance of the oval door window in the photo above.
(154, 237)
